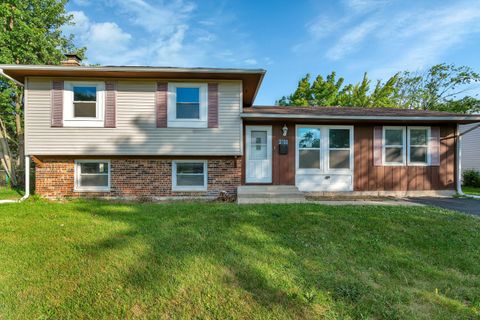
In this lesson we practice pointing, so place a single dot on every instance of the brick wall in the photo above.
(133, 177)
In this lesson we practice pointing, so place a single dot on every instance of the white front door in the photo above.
(259, 154)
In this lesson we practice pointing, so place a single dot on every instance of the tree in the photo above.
(442, 87)
(333, 92)
(30, 34)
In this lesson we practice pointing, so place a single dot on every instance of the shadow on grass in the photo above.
(303, 260)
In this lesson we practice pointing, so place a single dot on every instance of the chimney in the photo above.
(72, 60)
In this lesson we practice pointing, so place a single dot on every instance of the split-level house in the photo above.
(195, 132)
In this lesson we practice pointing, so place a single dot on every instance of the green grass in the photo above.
(10, 193)
(471, 190)
(94, 260)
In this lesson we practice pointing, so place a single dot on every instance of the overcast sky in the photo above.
(287, 38)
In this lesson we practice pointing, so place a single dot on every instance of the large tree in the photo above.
(443, 87)
(332, 92)
(31, 33)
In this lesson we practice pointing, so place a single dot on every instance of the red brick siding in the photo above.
(136, 178)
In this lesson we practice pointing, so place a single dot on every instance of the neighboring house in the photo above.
(194, 132)
(470, 146)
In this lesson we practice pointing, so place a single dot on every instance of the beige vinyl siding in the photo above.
(470, 147)
(136, 132)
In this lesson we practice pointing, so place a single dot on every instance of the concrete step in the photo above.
(269, 194)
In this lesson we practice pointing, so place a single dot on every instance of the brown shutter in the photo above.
(57, 103)
(110, 104)
(377, 146)
(434, 146)
(161, 104)
(213, 105)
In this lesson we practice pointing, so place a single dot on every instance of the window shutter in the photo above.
(377, 146)
(434, 146)
(110, 104)
(57, 103)
(161, 104)
(213, 105)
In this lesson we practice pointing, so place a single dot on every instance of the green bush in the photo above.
(471, 178)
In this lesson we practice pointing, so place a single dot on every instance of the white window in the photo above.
(189, 175)
(339, 149)
(308, 143)
(418, 138)
(83, 104)
(393, 145)
(92, 175)
(187, 105)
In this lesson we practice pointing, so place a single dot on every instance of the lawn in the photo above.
(471, 190)
(93, 260)
(10, 193)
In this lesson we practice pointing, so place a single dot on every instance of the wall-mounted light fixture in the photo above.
(285, 130)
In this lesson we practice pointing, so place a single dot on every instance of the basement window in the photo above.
(189, 175)
(92, 175)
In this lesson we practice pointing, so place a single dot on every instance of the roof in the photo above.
(356, 114)
(251, 78)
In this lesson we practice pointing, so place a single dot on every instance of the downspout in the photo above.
(27, 158)
(459, 165)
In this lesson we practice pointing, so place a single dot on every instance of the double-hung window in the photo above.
(92, 175)
(187, 105)
(394, 145)
(418, 138)
(308, 148)
(402, 145)
(189, 175)
(83, 104)
(339, 153)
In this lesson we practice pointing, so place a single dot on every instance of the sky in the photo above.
(286, 38)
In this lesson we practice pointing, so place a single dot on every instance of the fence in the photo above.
(5, 181)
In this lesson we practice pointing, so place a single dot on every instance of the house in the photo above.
(470, 146)
(195, 132)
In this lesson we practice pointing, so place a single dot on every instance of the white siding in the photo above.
(470, 147)
(136, 132)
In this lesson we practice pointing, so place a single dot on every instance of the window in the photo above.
(418, 138)
(92, 175)
(394, 145)
(189, 175)
(308, 148)
(83, 104)
(258, 145)
(187, 105)
(339, 149)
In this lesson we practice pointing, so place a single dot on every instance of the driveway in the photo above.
(466, 205)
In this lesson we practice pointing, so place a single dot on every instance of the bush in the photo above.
(471, 178)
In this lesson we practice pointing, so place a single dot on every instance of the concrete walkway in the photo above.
(382, 202)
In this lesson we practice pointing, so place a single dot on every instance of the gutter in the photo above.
(347, 117)
(18, 83)
(27, 158)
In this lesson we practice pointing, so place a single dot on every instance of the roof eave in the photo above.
(273, 116)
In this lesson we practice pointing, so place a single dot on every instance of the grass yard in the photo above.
(10, 194)
(93, 260)
(471, 190)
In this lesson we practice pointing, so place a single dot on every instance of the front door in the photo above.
(259, 154)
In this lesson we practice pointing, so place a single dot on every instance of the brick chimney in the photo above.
(72, 60)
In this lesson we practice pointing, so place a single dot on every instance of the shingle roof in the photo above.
(370, 114)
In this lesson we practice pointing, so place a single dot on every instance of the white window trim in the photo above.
(175, 187)
(172, 106)
(78, 188)
(404, 146)
(333, 170)
(68, 119)
(324, 150)
(429, 156)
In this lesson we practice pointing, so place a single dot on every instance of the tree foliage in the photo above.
(31, 33)
(443, 87)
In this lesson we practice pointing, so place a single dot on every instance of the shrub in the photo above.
(471, 178)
